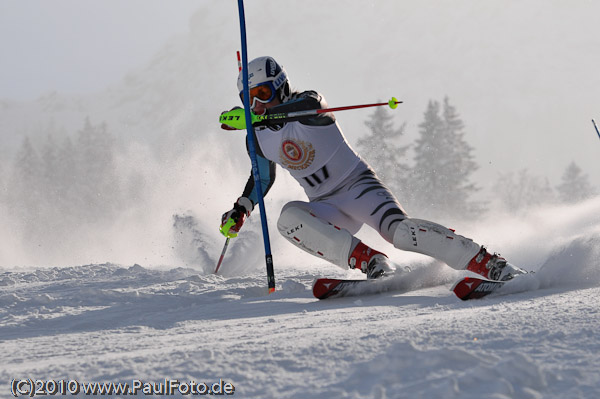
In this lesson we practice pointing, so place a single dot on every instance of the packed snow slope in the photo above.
(121, 323)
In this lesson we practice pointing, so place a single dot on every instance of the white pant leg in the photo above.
(300, 225)
(367, 200)
(435, 240)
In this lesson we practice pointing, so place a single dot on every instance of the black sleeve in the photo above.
(307, 100)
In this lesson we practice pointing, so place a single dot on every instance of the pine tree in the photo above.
(381, 150)
(522, 191)
(427, 162)
(96, 178)
(67, 167)
(49, 168)
(443, 165)
(28, 165)
(25, 191)
(575, 185)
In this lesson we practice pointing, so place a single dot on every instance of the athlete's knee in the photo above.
(315, 235)
(386, 217)
(291, 218)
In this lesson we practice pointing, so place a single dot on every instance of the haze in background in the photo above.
(76, 46)
(522, 75)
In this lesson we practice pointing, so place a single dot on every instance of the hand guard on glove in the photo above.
(232, 221)
(225, 126)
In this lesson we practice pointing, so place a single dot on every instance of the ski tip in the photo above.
(462, 288)
(475, 288)
(467, 288)
(324, 287)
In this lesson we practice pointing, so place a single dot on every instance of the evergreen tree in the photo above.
(49, 168)
(67, 169)
(28, 166)
(520, 192)
(96, 177)
(443, 165)
(381, 150)
(65, 186)
(575, 185)
(60, 190)
(25, 191)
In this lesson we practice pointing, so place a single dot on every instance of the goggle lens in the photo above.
(263, 93)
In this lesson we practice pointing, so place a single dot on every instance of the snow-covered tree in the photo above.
(28, 167)
(25, 189)
(443, 165)
(381, 149)
(575, 185)
(49, 160)
(56, 191)
(67, 165)
(521, 191)
(96, 176)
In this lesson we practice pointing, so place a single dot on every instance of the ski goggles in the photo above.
(264, 93)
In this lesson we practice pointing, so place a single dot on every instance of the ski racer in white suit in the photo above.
(343, 191)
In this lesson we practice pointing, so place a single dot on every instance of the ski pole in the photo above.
(596, 127)
(393, 103)
(239, 60)
(252, 151)
(222, 255)
(236, 118)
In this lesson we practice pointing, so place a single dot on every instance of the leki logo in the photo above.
(413, 233)
(296, 155)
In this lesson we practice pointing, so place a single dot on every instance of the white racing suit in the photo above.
(343, 192)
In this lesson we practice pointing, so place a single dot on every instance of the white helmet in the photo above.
(270, 76)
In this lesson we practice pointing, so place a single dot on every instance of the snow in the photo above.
(120, 323)
(134, 297)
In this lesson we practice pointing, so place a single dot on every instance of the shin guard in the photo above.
(316, 236)
(437, 241)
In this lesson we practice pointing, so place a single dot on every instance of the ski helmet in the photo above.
(268, 79)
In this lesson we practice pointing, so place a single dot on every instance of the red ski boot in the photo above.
(371, 262)
(492, 266)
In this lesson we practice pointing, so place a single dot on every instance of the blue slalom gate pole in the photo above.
(252, 151)
(596, 127)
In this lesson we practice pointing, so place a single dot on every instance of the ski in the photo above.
(478, 287)
(324, 288)
(475, 287)
(465, 289)
(330, 287)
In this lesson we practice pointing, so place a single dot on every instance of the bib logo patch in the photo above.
(296, 155)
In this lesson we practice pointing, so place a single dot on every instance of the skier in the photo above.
(343, 190)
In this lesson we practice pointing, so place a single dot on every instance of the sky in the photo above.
(522, 74)
(81, 46)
